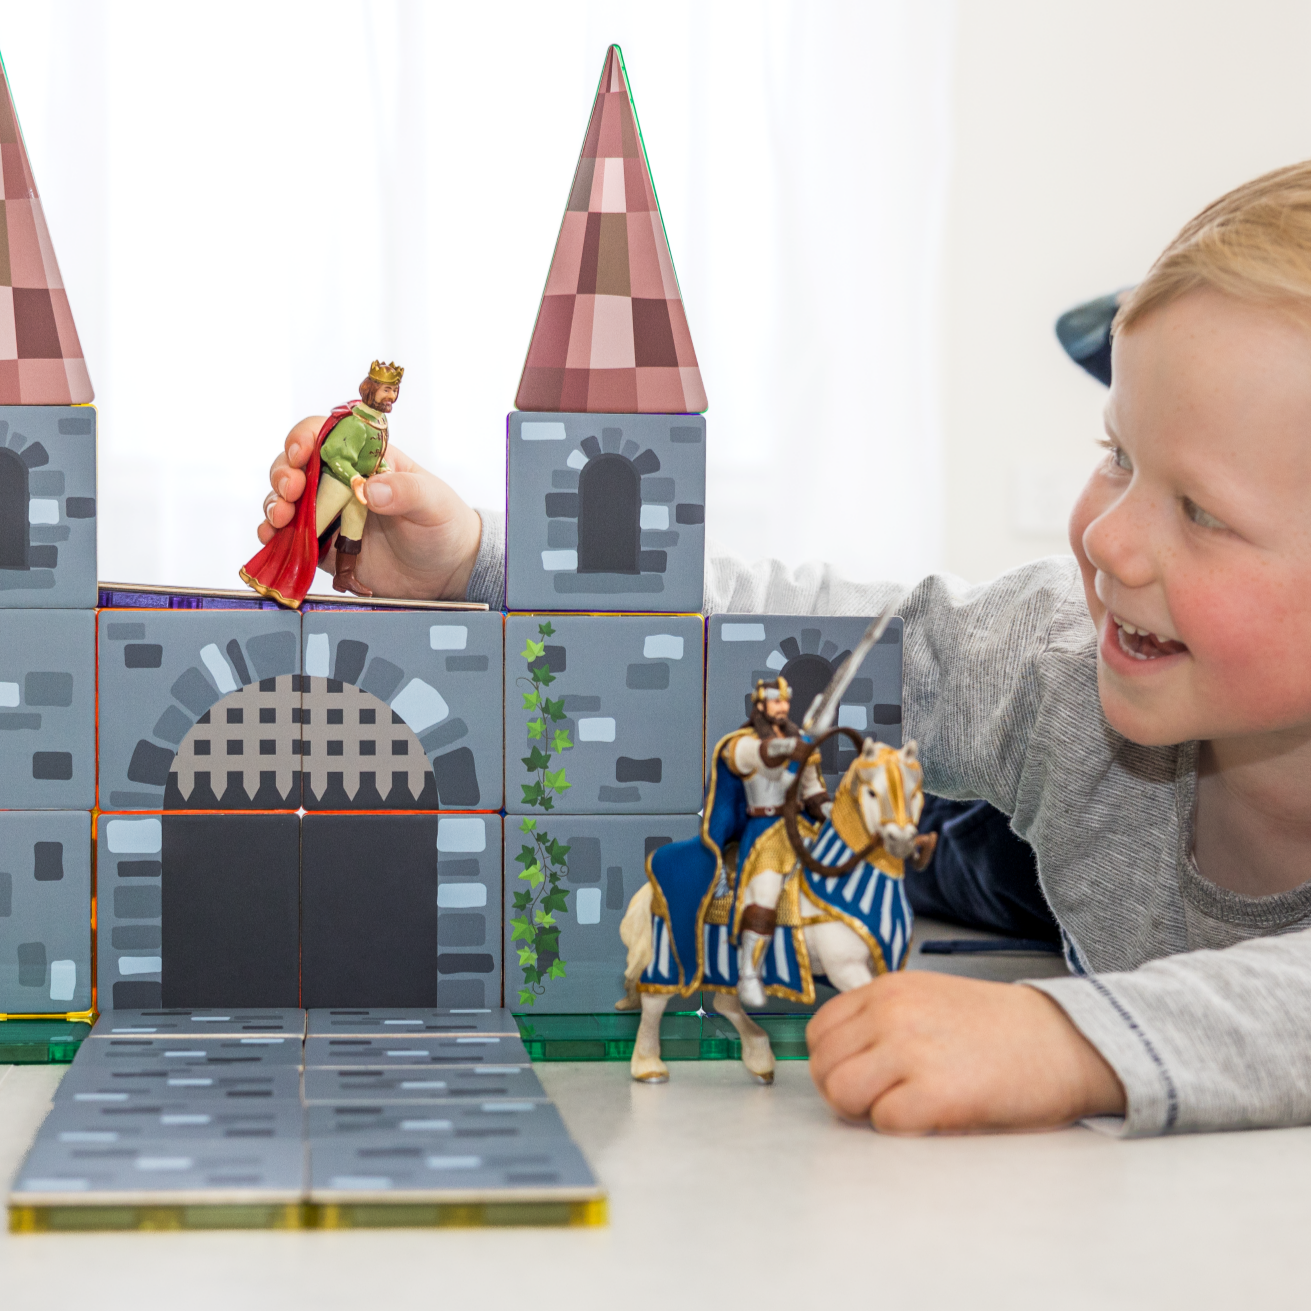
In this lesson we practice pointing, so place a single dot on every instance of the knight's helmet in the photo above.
(771, 689)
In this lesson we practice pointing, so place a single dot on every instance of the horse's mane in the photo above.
(848, 818)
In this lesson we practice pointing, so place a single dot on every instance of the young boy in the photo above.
(1142, 712)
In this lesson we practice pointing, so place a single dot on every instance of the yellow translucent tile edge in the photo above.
(591, 1213)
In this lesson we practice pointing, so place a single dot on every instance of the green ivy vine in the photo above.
(548, 781)
(544, 863)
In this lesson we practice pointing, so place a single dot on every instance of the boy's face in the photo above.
(1196, 529)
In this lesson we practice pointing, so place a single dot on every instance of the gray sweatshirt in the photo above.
(1199, 998)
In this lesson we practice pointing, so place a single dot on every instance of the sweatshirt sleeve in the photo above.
(1204, 1040)
(487, 581)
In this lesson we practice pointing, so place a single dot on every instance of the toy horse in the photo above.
(842, 910)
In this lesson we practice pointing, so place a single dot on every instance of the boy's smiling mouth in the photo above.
(1139, 644)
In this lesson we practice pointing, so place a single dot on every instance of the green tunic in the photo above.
(356, 445)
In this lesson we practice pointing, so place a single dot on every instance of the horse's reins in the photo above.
(792, 805)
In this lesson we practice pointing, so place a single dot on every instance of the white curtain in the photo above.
(249, 201)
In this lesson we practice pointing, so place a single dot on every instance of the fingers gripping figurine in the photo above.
(350, 449)
(759, 754)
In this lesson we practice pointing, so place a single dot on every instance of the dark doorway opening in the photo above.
(609, 516)
(14, 535)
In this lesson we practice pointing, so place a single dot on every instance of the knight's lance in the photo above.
(824, 708)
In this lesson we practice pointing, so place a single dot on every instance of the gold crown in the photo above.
(765, 691)
(390, 374)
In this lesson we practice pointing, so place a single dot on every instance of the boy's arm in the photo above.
(1204, 1040)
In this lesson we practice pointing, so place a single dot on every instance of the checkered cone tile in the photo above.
(611, 336)
(40, 356)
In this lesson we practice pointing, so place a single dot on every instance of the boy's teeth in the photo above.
(1142, 644)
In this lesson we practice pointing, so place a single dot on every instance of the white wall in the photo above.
(877, 209)
(251, 200)
(1086, 135)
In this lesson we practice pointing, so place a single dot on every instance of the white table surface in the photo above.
(727, 1195)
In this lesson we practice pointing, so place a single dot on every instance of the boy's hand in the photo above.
(420, 539)
(931, 1053)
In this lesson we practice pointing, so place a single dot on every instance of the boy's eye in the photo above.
(1117, 456)
(1200, 516)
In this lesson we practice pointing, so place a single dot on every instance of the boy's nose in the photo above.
(1117, 544)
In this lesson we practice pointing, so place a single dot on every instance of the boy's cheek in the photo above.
(1249, 637)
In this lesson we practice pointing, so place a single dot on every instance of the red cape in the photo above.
(284, 569)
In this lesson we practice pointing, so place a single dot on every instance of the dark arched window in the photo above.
(13, 510)
(609, 516)
(808, 675)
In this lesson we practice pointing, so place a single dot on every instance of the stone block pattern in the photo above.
(47, 709)
(581, 967)
(402, 711)
(243, 910)
(623, 729)
(209, 710)
(806, 650)
(197, 910)
(206, 701)
(47, 507)
(469, 969)
(606, 512)
(45, 912)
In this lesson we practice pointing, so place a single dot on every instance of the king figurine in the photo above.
(350, 449)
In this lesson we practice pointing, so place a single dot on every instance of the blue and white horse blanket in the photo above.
(698, 886)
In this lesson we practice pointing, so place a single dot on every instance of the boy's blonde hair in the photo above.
(1253, 243)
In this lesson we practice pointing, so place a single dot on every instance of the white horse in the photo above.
(870, 834)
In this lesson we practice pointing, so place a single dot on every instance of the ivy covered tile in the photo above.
(568, 881)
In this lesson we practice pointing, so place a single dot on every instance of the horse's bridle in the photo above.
(791, 806)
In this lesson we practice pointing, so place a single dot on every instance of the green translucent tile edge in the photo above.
(685, 1037)
(40, 1042)
(307, 1215)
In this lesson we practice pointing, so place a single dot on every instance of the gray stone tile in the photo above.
(199, 710)
(45, 911)
(391, 1169)
(172, 1119)
(160, 1172)
(142, 1052)
(47, 507)
(505, 1121)
(806, 650)
(383, 1023)
(373, 1085)
(422, 1050)
(47, 709)
(429, 686)
(604, 866)
(469, 970)
(624, 720)
(200, 1023)
(233, 883)
(606, 512)
(99, 1083)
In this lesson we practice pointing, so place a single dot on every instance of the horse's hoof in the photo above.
(660, 1076)
(764, 1079)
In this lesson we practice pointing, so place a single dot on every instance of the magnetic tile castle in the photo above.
(325, 847)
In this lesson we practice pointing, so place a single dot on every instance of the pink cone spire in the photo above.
(611, 335)
(40, 356)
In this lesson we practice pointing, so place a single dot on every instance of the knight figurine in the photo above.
(350, 449)
(759, 754)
